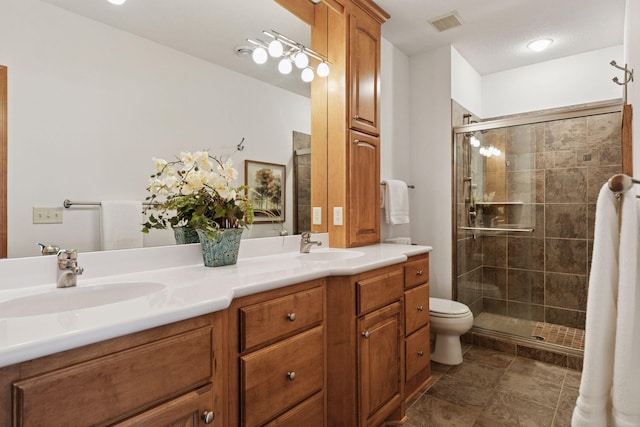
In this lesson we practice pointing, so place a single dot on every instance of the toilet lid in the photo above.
(447, 307)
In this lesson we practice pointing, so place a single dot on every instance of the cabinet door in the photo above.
(364, 44)
(190, 410)
(364, 197)
(379, 349)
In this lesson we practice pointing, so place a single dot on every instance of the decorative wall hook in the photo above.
(240, 147)
(628, 77)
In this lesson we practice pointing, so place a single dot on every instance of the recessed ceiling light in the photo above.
(117, 2)
(540, 44)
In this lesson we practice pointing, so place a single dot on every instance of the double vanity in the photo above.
(152, 337)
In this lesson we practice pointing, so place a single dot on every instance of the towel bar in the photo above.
(68, 203)
(408, 185)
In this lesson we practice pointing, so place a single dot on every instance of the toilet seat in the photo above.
(444, 308)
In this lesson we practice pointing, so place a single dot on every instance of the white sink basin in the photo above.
(74, 298)
(330, 255)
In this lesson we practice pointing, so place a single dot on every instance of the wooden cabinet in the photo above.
(163, 376)
(364, 69)
(365, 351)
(364, 175)
(277, 357)
(416, 326)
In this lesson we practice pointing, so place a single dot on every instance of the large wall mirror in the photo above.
(97, 90)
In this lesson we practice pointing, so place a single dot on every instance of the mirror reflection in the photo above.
(96, 91)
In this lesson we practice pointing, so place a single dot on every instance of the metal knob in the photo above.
(291, 316)
(291, 375)
(420, 308)
(419, 272)
(420, 353)
(356, 141)
(356, 117)
(366, 334)
(208, 417)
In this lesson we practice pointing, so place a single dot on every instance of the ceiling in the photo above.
(492, 37)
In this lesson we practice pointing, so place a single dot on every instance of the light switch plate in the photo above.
(47, 215)
(317, 215)
(337, 215)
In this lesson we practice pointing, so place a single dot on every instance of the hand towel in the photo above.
(120, 224)
(396, 201)
(626, 370)
(594, 402)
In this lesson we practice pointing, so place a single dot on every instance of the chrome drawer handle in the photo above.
(420, 353)
(420, 308)
(208, 417)
(366, 334)
(291, 316)
(291, 375)
(419, 273)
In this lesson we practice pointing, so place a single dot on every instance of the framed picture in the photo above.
(266, 188)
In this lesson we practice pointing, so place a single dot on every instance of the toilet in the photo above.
(449, 320)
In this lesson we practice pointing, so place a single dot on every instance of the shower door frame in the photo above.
(595, 109)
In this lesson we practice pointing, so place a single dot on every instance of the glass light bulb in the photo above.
(307, 75)
(116, 2)
(259, 55)
(301, 60)
(276, 49)
(323, 69)
(285, 66)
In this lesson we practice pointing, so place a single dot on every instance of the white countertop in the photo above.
(190, 290)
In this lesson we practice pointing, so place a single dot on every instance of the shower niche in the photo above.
(525, 192)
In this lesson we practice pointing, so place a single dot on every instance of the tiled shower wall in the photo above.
(556, 170)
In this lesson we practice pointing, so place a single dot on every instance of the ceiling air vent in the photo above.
(446, 22)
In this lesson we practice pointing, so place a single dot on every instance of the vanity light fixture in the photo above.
(289, 52)
(117, 2)
(540, 44)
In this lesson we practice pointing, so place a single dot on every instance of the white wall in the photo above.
(89, 106)
(430, 83)
(395, 135)
(466, 84)
(632, 57)
(574, 80)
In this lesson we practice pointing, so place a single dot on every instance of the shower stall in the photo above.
(525, 191)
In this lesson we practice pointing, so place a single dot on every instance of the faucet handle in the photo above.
(67, 255)
(305, 236)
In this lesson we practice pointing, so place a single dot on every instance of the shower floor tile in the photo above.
(548, 332)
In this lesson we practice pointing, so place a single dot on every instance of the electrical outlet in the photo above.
(47, 215)
(317, 215)
(337, 215)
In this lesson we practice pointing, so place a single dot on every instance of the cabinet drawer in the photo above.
(98, 391)
(309, 413)
(416, 272)
(379, 291)
(277, 377)
(267, 321)
(416, 308)
(417, 352)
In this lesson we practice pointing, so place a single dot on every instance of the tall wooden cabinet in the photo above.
(353, 122)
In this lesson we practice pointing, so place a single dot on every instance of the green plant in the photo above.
(196, 190)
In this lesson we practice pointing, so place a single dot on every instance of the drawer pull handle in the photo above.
(419, 273)
(291, 316)
(420, 308)
(291, 375)
(208, 417)
(420, 353)
(366, 334)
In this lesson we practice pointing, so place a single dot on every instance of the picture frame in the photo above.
(266, 183)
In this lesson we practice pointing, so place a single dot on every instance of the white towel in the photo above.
(396, 201)
(610, 382)
(626, 370)
(120, 224)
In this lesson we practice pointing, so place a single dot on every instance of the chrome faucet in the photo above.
(68, 269)
(306, 243)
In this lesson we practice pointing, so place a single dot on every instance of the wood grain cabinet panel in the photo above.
(99, 391)
(378, 291)
(416, 308)
(416, 272)
(281, 375)
(417, 353)
(309, 413)
(270, 320)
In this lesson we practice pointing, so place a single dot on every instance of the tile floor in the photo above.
(494, 389)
